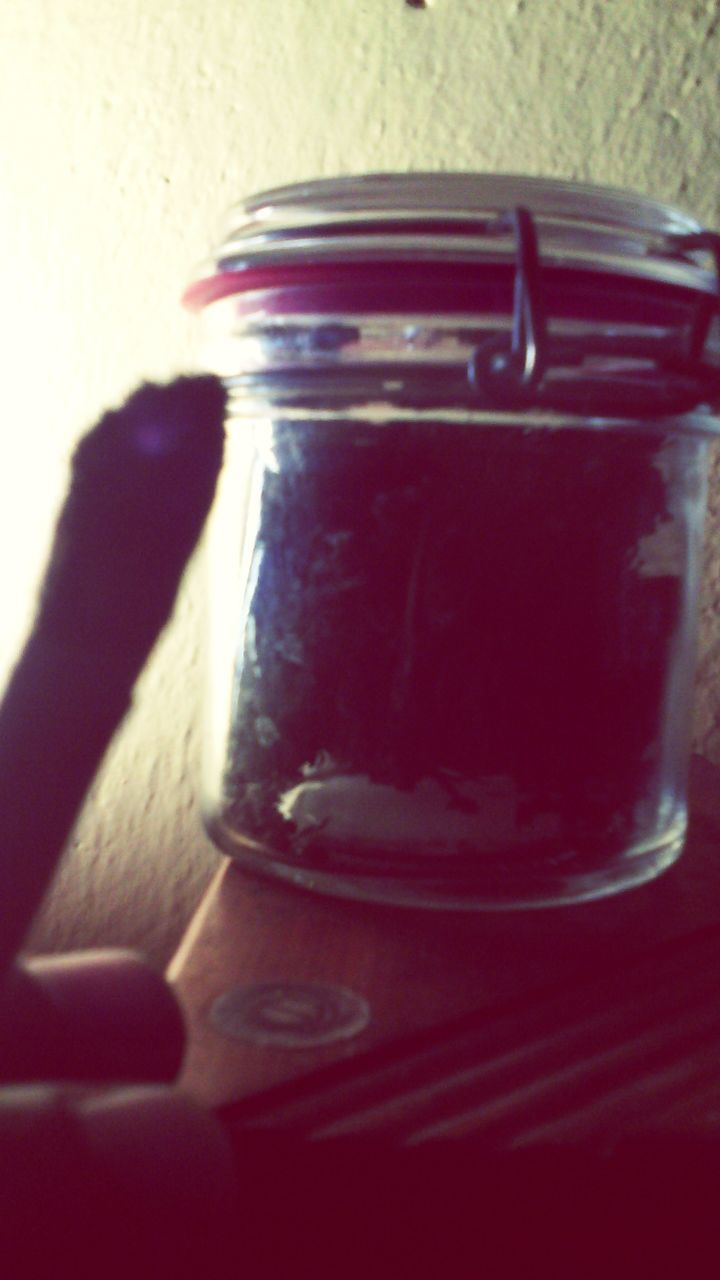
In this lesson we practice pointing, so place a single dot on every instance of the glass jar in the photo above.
(455, 554)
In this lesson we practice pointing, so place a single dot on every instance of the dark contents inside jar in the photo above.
(457, 647)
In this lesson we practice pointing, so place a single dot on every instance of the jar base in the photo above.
(492, 889)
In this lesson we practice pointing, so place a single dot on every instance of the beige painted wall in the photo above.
(126, 129)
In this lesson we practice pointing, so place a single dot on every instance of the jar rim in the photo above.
(464, 192)
(510, 257)
(457, 217)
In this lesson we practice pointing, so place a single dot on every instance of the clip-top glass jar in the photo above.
(455, 557)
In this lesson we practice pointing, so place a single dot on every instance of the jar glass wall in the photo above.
(452, 662)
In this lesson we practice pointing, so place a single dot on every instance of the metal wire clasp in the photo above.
(503, 375)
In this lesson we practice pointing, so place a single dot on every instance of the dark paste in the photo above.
(460, 614)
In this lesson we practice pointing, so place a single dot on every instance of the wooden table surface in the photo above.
(414, 969)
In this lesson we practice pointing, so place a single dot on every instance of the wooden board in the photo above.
(414, 969)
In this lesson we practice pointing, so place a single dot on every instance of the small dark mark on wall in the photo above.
(416, 4)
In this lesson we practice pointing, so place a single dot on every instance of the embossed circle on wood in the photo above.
(290, 1015)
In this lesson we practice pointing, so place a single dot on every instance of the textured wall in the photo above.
(125, 131)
